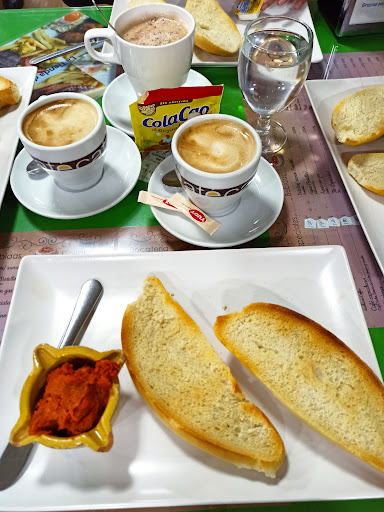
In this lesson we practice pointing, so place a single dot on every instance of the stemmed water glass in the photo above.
(273, 64)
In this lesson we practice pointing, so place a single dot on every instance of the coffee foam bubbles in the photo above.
(217, 146)
(60, 122)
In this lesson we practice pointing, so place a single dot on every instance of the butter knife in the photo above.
(13, 460)
(64, 51)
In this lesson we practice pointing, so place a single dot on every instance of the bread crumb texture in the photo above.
(183, 379)
(313, 373)
(368, 170)
(359, 117)
(215, 31)
(9, 92)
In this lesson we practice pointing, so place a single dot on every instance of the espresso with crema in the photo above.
(217, 146)
(60, 122)
(155, 31)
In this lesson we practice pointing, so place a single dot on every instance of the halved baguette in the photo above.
(184, 381)
(359, 117)
(215, 32)
(9, 92)
(313, 373)
(368, 171)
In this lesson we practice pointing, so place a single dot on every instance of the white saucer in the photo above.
(258, 209)
(120, 94)
(41, 195)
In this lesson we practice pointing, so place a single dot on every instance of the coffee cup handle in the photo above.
(101, 56)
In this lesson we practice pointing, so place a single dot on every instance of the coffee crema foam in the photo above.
(155, 31)
(60, 122)
(217, 146)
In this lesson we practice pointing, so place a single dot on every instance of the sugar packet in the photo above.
(155, 200)
(183, 205)
(157, 114)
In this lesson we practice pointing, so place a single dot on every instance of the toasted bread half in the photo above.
(182, 378)
(368, 170)
(359, 117)
(313, 373)
(215, 32)
(9, 92)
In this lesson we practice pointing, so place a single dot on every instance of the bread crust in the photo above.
(9, 92)
(282, 322)
(208, 46)
(362, 100)
(172, 415)
(368, 170)
(207, 13)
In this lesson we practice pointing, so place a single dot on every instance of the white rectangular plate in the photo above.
(24, 78)
(202, 58)
(149, 466)
(324, 96)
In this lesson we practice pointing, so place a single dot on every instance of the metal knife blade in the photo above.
(13, 460)
(13, 463)
(64, 51)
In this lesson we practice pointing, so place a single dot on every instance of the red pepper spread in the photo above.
(73, 400)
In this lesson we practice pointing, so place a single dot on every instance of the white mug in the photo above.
(215, 194)
(148, 67)
(75, 166)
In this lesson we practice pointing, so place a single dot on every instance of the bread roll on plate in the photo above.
(182, 378)
(9, 92)
(359, 117)
(215, 32)
(313, 373)
(368, 171)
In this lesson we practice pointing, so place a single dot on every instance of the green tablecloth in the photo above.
(15, 23)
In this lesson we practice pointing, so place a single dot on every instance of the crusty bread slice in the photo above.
(133, 3)
(9, 92)
(184, 381)
(359, 117)
(368, 171)
(313, 373)
(215, 32)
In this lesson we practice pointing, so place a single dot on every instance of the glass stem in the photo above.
(263, 124)
(263, 127)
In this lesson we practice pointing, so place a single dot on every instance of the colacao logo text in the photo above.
(181, 117)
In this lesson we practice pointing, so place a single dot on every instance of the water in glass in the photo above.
(273, 66)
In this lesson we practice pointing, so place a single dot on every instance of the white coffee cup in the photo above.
(215, 194)
(148, 67)
(75, 166)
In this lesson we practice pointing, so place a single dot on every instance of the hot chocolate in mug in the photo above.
(150, 61)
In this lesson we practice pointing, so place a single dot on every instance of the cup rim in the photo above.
(309, 44)
(216, 176)
(42, 100)
(160, 6)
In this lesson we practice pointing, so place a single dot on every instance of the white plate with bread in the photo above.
(333, 104)
(16, 86)
(149, 465)
(226, 27)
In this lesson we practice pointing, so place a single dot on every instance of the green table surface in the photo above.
(16, 218)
